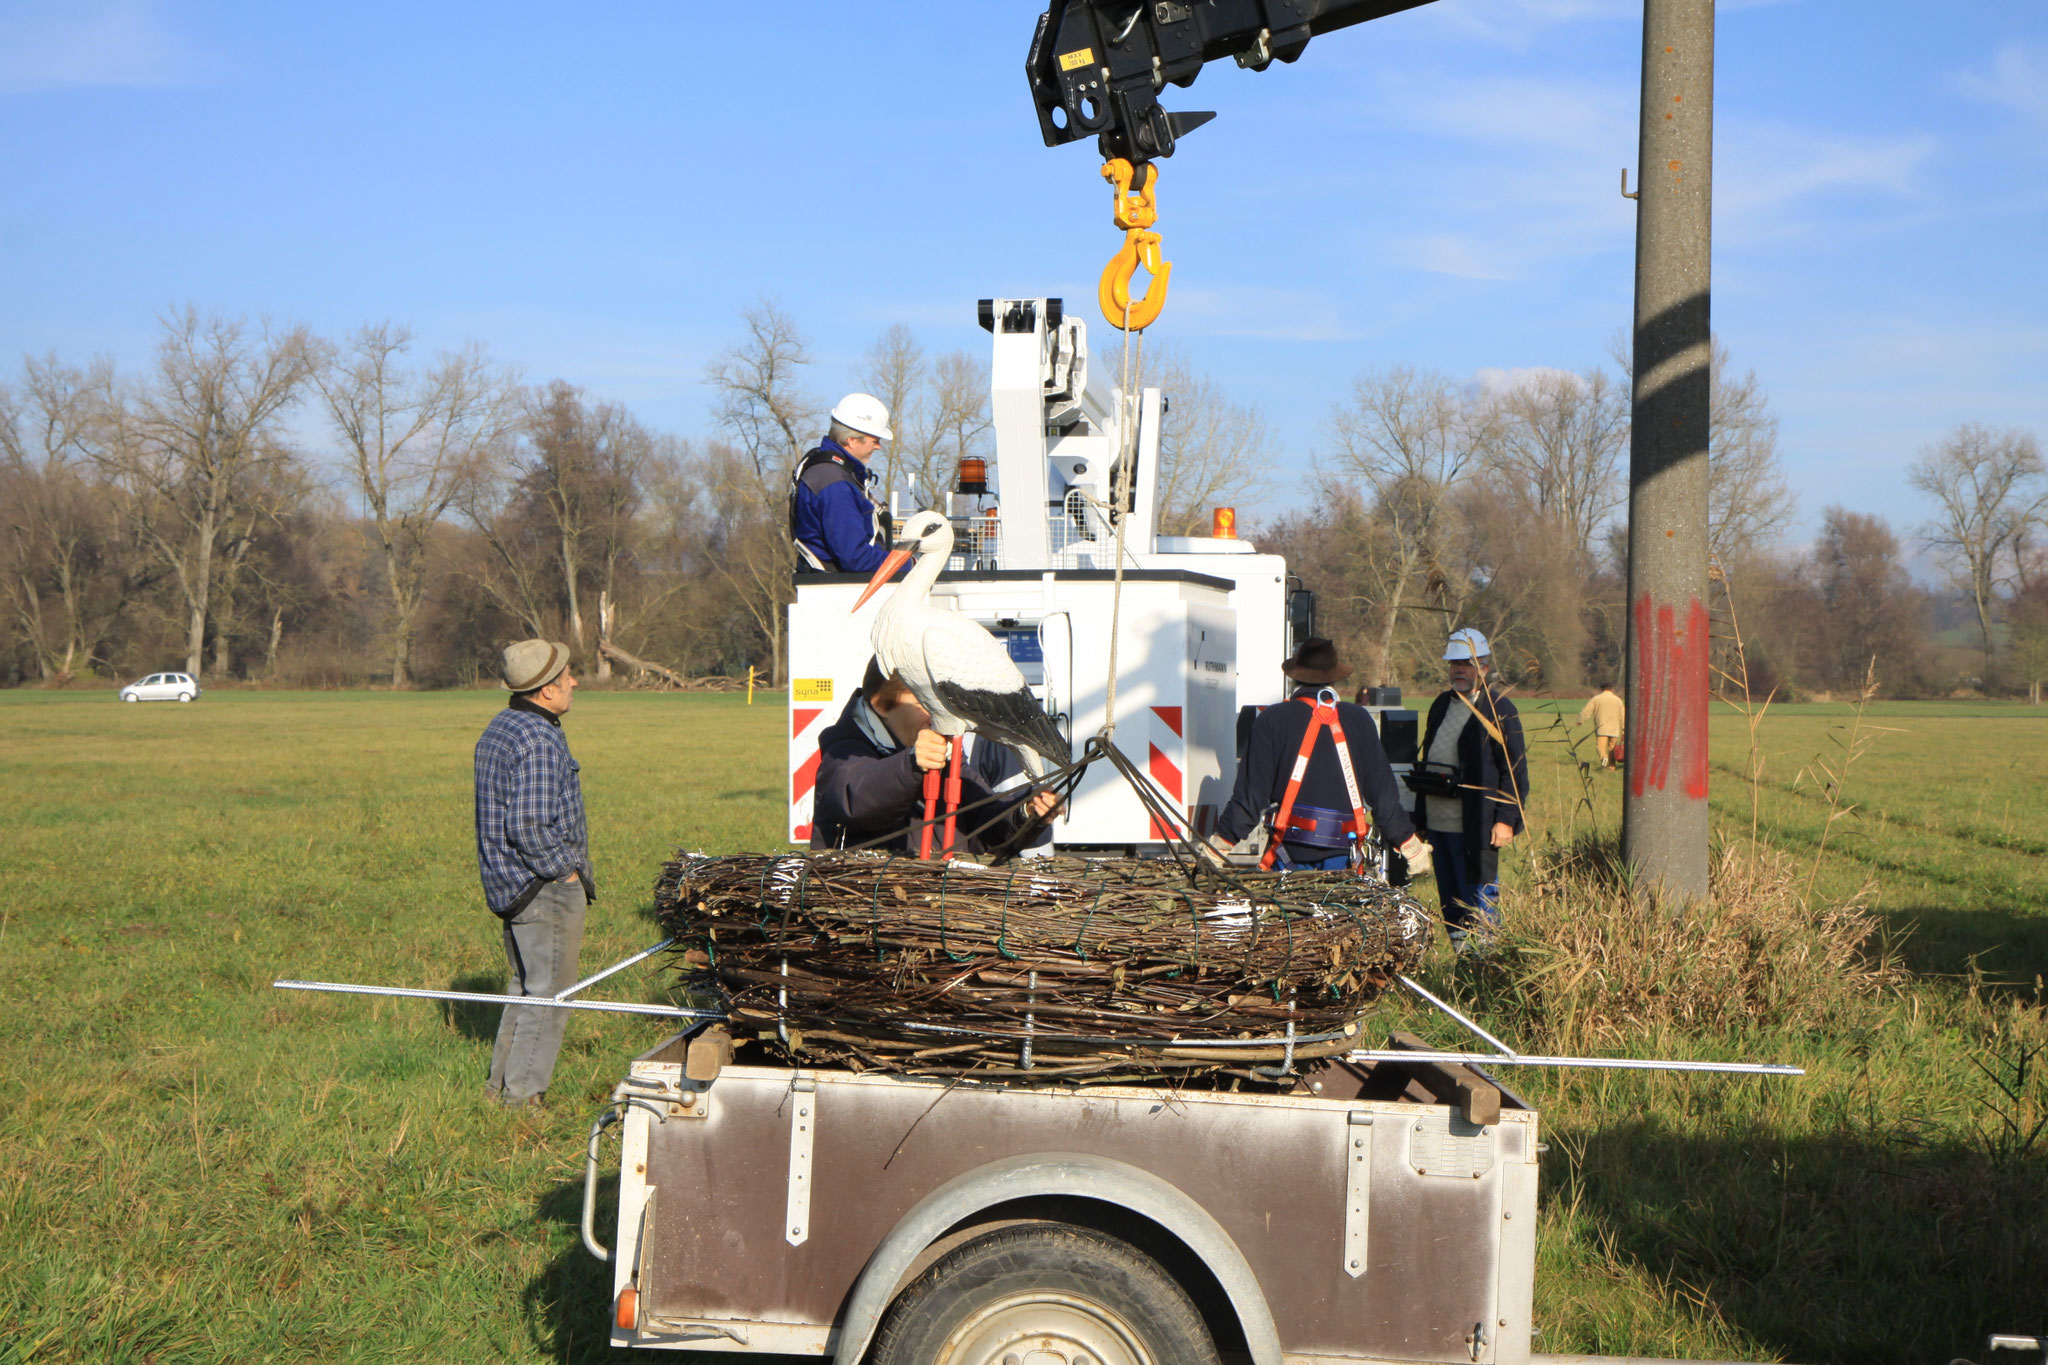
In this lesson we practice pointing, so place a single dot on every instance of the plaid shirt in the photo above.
(529, 809)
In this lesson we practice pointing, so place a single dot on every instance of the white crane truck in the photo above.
(1204, 622)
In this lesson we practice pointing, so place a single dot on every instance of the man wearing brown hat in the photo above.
(533, 851)
(1322, 825)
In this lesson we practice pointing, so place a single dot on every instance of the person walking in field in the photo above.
(1606, 713)
(532, 850)
(1474, 786)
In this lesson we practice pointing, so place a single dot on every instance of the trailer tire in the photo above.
(1049, 1292)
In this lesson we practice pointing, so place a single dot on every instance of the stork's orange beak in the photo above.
(896, 560)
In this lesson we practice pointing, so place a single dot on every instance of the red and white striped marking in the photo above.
(803, 768)
(1166, 761)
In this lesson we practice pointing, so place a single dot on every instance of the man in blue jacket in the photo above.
(533, 853)
(871, 768)
(1474, 735)
(834, 521)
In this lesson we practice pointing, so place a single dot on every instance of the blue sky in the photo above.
(596, 191)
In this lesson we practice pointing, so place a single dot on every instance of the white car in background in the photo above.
(162, 687)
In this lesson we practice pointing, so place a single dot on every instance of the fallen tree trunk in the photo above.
(641, 666)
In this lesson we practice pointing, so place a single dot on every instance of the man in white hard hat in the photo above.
(835, 523)
(1473, 786)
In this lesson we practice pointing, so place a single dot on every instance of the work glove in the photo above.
(1417, 853)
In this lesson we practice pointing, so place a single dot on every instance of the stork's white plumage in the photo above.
(960, 672)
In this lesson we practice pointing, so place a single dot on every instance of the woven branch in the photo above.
(1103, 968)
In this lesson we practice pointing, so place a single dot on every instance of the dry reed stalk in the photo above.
(1580, 965)
(1852, 742)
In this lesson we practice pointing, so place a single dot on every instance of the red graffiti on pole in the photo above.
(1670, 729)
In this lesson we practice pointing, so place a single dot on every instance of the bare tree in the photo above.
(1988, 490)
(763, 404)
(1212, 452)
(1561, 438)
(518, 560)
(72, 570)
(895, 371)
(1748, 500)
(2029, 639)
(582, 469)
(960, 424)
(1865, 605)
(1410, 438)
(415, 440)
(192, 449)
(761, 398)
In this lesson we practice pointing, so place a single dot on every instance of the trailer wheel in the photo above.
(1049, 1294)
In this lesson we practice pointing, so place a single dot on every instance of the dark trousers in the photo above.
(1470, 903)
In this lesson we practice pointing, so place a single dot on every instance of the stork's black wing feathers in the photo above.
(1015, 718)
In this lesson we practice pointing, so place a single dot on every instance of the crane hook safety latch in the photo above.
(1135, 212)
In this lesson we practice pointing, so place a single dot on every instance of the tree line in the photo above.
(263, 503)
(1443, 503)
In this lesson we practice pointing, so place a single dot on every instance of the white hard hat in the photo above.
(1466, 644)
(865, 414)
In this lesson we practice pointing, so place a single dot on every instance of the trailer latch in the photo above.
(1358, 1136)
(803, 1105)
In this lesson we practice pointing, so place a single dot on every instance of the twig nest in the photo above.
(1053, 967)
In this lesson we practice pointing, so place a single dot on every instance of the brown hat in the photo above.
(1316, 662)
(533, 664)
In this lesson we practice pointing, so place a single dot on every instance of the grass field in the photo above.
(194, 1167)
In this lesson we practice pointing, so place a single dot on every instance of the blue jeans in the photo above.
(1336, 862)
(1468, 902)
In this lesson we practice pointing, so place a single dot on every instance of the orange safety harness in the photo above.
(1325, 715)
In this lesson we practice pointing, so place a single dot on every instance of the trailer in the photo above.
(1371, 1211)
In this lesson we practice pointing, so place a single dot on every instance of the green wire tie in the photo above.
(1003, 932)
(1088, 919)
(945, 872)
(761, 897)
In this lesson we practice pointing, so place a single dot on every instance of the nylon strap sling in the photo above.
(1324, 714)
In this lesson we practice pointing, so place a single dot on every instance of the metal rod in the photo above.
(671, 1012)
(545, 1002)
(1412, 984)
(640, 956)
(1030, 1018)
(1596, 1063)
(1664, 801)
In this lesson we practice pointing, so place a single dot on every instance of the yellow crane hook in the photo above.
(1135, 211)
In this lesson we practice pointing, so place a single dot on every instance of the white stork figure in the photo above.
(960, 672)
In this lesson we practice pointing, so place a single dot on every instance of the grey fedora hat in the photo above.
(531, 664)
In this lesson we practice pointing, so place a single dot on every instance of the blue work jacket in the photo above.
(835, 524)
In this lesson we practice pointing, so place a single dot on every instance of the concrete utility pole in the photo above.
(1664, 809)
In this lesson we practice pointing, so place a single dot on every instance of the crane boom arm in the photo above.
(1097, 66)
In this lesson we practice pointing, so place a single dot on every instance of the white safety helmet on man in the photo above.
(864, 413)
(1466, 644)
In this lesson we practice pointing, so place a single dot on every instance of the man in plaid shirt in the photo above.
(532, 849)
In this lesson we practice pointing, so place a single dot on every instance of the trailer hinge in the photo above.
(803, 1107)
(1357, 1190)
